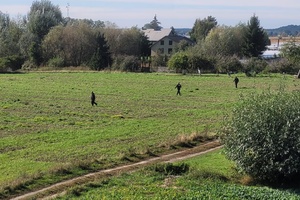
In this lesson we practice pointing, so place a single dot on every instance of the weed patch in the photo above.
(171, 169)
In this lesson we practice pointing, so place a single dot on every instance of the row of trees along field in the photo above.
(44, 38)
(221, 48)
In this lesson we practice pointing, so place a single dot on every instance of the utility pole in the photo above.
(68, 6)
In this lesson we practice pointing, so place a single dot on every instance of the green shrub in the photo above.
(11, 63)
(263, 136)
(179, 61)
(28, 65)
(228, 64)
(56, 62)
(197, 61)
(126, 63)
(282, 66)
(254, 66)
(172, 169)
(159, 60)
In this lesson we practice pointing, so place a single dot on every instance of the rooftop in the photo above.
(154, 36)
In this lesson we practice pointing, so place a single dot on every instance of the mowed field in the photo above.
(49, 131)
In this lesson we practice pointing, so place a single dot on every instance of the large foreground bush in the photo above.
(263, 136)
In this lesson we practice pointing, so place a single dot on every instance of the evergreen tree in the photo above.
(35, 53)
(101, 59)
(255, 39)
(154, 24)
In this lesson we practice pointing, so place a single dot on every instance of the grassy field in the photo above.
(49, 131)
(210, 176)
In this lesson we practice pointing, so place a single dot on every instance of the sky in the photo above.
(176, 13)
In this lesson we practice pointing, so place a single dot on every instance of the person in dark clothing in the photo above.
(236, 81)
(93, 98)
(178, 86)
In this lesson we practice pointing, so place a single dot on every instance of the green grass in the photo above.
(210, 176)
(49, 131)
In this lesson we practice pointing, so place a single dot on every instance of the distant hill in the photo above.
(290, 30)
(183, 31)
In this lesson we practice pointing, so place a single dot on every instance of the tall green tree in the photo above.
(101, 58)
(93, 24)
(42, 17)
(74, 44)
(35, 55)
(53, 44)
(127, 41)
(25, 43)
(4, 21)
(154, 24)
(201, 28)
(224, 41)
(255, 38)
(133, 42)
(10, 34)
(291, 51)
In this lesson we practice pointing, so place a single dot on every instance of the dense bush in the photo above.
(126, 63)
(263, 136)
(282, 66)
(159, 60)
(56, 62)
(179, 61)
(11, 63)
(227, 64)
(254, 66)
(201, 62)
(28, 65)
(172, 169)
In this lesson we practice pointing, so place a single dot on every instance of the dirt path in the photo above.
(60, 188)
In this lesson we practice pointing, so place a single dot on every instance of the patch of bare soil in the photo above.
(60, 188)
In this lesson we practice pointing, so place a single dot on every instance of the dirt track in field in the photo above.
(60, 188)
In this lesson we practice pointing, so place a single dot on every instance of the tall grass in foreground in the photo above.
(210, 176)
(49, 131)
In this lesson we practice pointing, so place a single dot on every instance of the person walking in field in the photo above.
(236, 81)
(93, 98)
(178, 86)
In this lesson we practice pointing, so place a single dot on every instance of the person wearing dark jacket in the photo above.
(236, 81)
(178, 86)
(93, 99)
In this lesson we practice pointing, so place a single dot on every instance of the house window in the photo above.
(170, 50)
(162, 42)
(161, 51)
(170, 42)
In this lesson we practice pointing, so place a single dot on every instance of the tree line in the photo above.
(44, 38)
(226, 49)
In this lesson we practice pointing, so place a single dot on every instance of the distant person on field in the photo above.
(229, 74)
(93, 98)
(199, 71)
(178, 86)
(236, 81)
